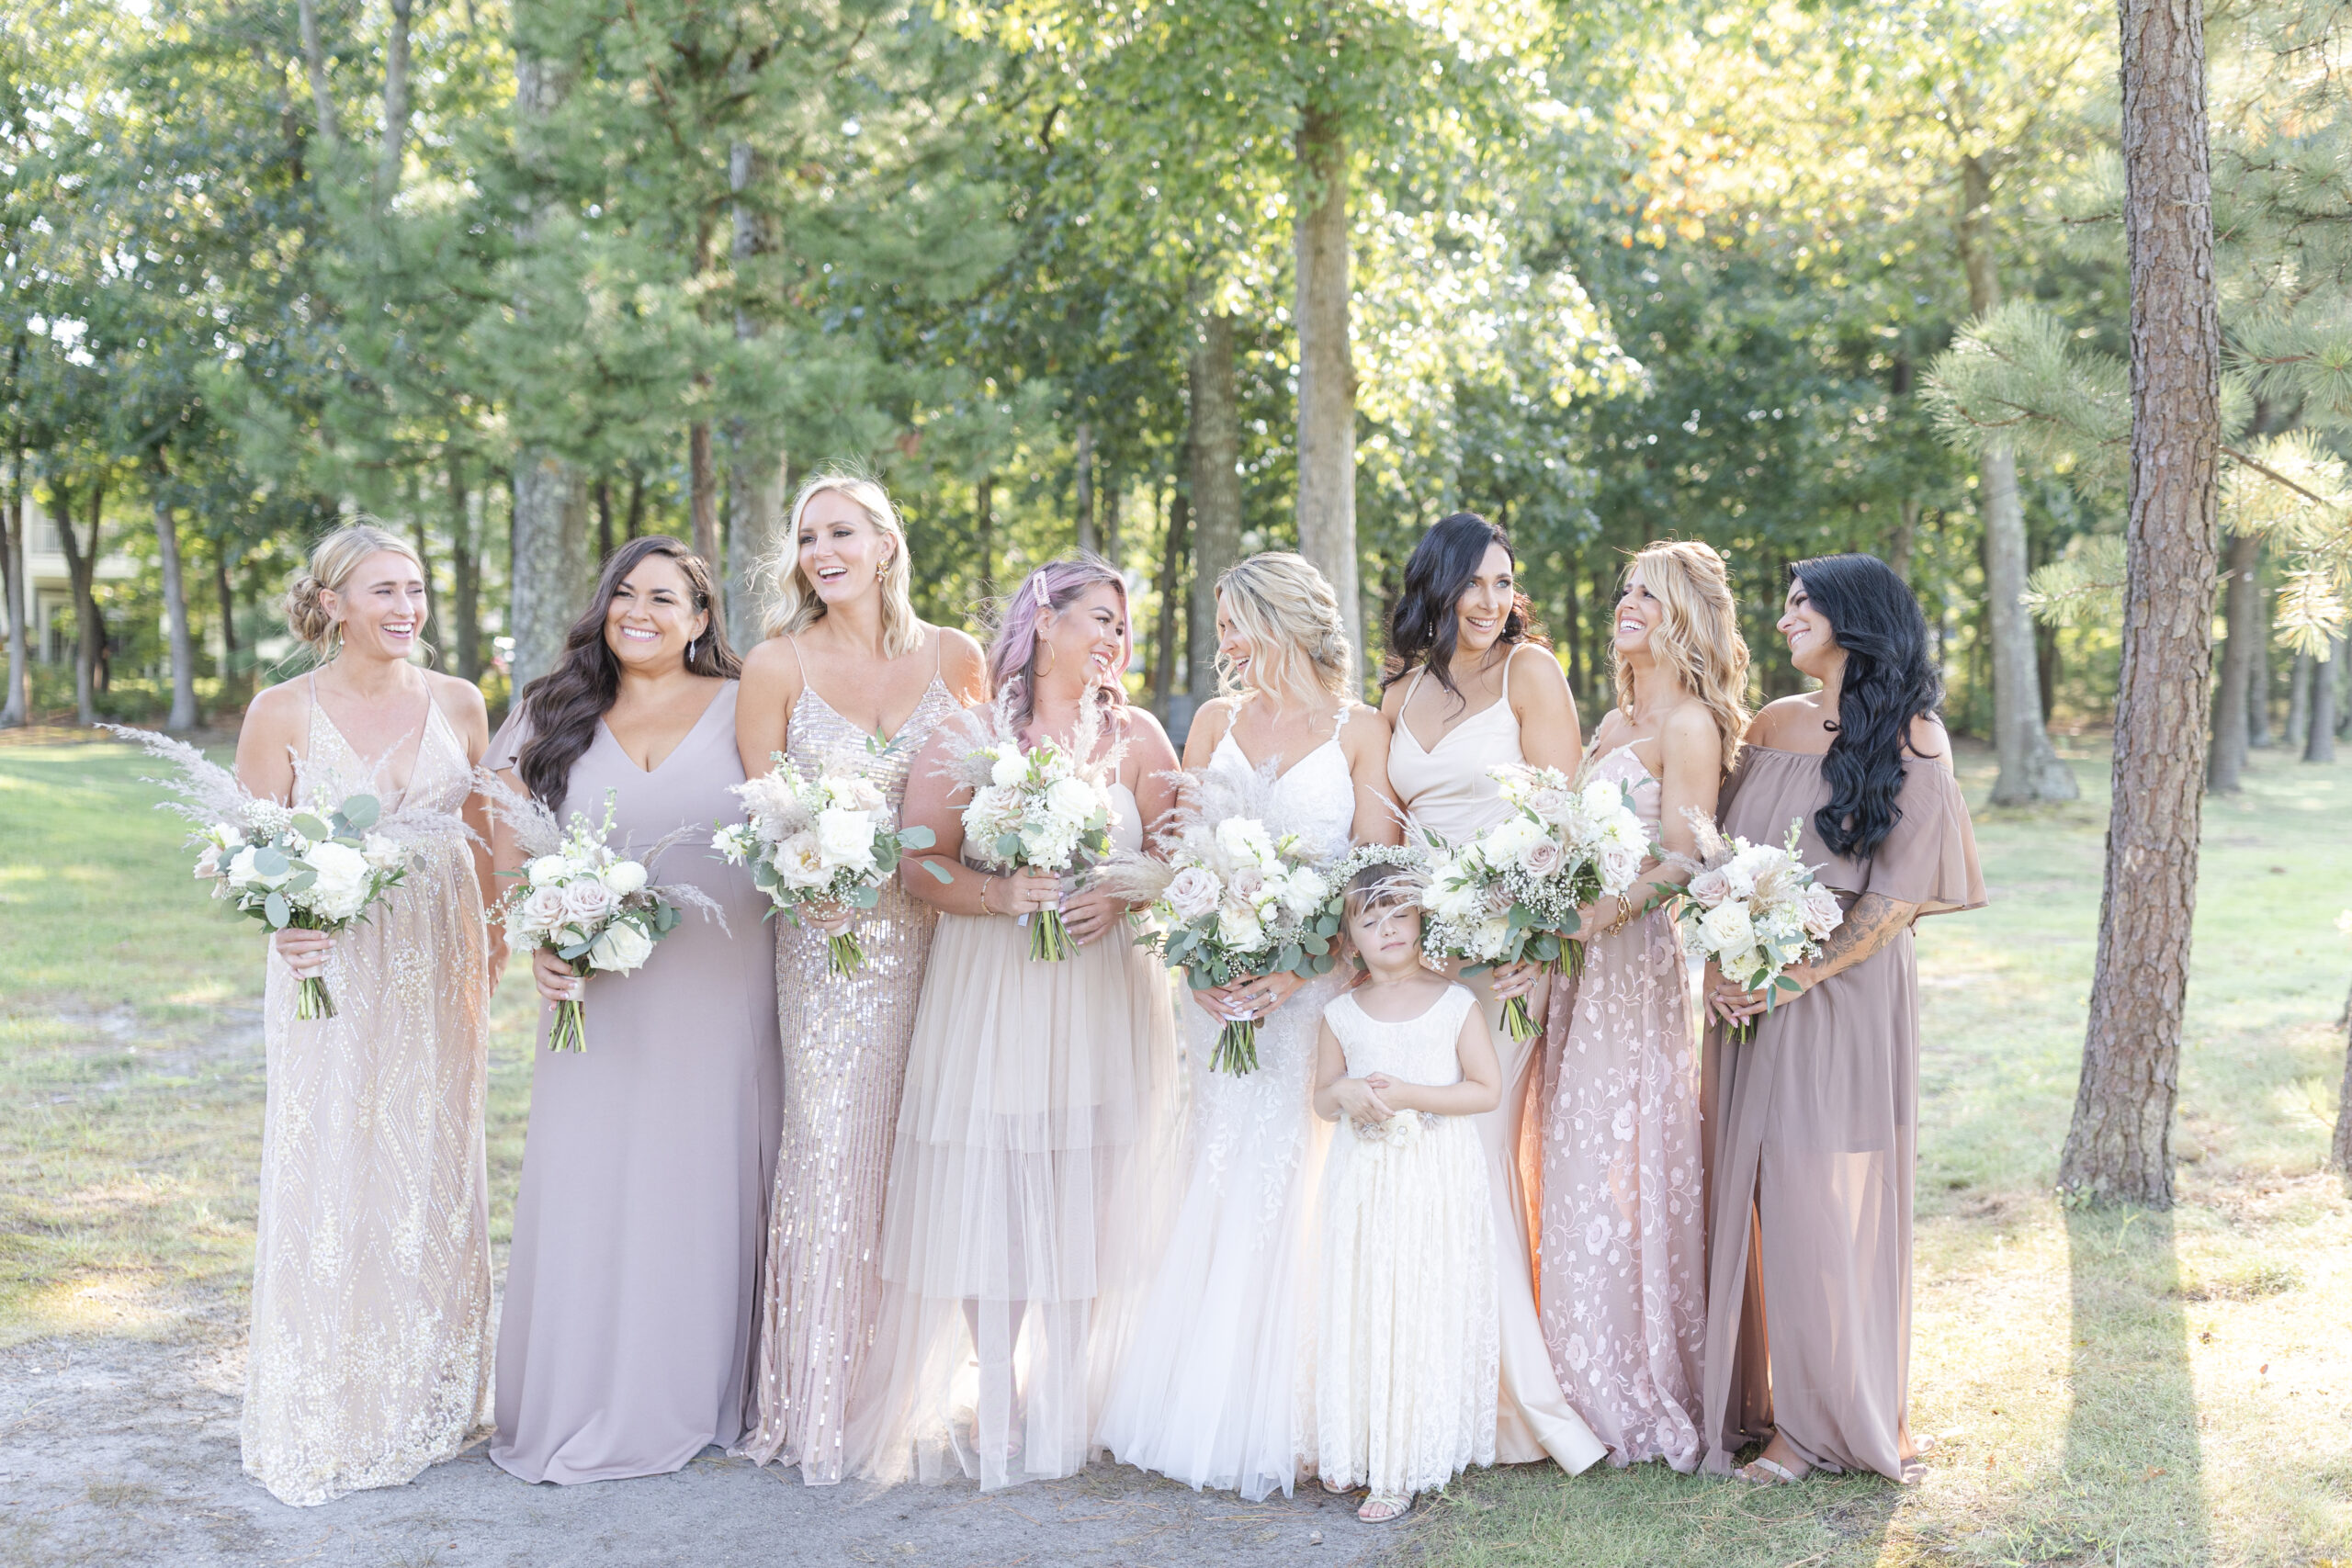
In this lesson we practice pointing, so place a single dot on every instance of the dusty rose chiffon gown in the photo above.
(1447, 789)
(1815, 1137)
(626, 1339)
(1624, 1287)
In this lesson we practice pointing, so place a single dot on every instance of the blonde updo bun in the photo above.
(1291, 616)
(333, 560)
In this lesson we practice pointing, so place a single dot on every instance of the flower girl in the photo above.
(1407, 1357)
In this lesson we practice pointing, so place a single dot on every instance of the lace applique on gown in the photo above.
(1218, 1388)
(372, 1323)
(1623, 1260)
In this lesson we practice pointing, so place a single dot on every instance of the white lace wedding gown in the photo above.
(1217, 1385)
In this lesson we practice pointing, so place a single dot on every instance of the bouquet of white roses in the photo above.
(1512, 893)
(318, 865)
(1230, 895)
(1040, 807)
(1754, 910)
(593, 906)
(827, 837)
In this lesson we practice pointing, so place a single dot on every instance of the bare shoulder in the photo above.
(1364, 726)
(1214, 717)
(1531, 662)
(280, 706)
(771, 662)
(1775, 719)
(456, 696)
(1392, 696)
(1690, 725)
(962, 664)
(1143, 730)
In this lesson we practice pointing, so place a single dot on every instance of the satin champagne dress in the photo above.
(1449, 790)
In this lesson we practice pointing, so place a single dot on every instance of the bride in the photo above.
(1217, 1388)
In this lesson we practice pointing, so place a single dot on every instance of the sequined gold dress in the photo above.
(844, 1064)
(371, 1349)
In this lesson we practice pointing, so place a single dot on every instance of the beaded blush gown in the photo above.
(844, 1067)
(371, 1349)
(1217, 1388)
(1447, 789)
(1623, 1271)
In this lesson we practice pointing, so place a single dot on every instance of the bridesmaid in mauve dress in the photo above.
(625, 1342)
(1817, 1115)
(371, 1308)
(1623, 1285)
(1463, 620)
(844, 632)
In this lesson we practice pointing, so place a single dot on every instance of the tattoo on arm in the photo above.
(1871, 924)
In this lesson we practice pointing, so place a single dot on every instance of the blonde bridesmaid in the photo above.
(846, 662)
(1623, 1225)
(370, 1351)
(1471, 685)
(1039, 1094)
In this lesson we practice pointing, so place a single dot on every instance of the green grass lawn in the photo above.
(2109, 1388)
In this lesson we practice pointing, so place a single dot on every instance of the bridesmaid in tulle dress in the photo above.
(625, 1339)
(1457, 637)
(848, 664)
(1034, 1128)
(372, 1312)
(1623, 1238)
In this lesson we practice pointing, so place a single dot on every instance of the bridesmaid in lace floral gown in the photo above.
(370, 1357)
(1623, 1241)
(847, 661)
(1457, 636)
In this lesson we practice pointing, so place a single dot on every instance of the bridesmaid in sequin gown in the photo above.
(845, 635)
(370, 1351)
(1623, 1237)
(1457, 636)
(625, 1338)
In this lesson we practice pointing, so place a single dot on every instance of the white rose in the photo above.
(1193, 893)
(1011, 768)
(1074, 799)
(341, 887)
(845, 838)
(383, 853)
(1303, 890)
(1239, 928)
(1492, 936)
(621, 948)
(547, 869)
(1542, 858)
(1727, 929)
(624, 877)
(1821, 914)
(1554, 805)
(541, 908)
(1619, 866)
(586, 902)
(1711, 887)
(1246, 840)
(1503, 845)
(243, 875)
(799, 862)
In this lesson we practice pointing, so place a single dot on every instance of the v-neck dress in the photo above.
(625, 1338)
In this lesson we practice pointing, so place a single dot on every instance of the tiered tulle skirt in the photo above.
(1024, 1205)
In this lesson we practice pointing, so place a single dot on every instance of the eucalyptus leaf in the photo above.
(278, 911)
(270, 860)
(361, 811)
(917, 838)
(932, 867)
(311, 828)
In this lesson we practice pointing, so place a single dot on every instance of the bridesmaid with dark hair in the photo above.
(1815, 1117)
(625, 1338)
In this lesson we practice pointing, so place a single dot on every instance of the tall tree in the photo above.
(2118, 1148)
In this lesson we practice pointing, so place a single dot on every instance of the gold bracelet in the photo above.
(986, 882)
(1625, 916)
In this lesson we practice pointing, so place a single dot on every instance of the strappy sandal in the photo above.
(1762, 1471)
(1335, 1489)
(1379, 1510)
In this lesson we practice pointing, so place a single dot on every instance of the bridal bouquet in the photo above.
(318, 865)
(1037, 807)
(826, 837)
(1231, 897)
(1512, 893)
(593, 906)
(1754, 910)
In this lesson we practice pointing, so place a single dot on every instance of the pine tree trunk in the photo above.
(2319, 738)
(1108, 503)
(465, 572)
(1327, 375)
(1907, 534)
(755, 456)
(2339, 1152)
(2029, 769)
(224, 594)
(702, 489)
(2118, 1148)
(2299, 701)
(16, 708)
(2242, 616)
(396, 114)
(983, 528)
(1174, 544)
(1215, 442)
(1088, 539)
(81, 572)
(176, 628)
(314, 63)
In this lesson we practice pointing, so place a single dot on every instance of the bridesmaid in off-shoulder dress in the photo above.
(1816, 1113)
(849, 663)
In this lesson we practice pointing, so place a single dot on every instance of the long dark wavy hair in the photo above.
(1426, 623)
(564, 706)
(1890, 681)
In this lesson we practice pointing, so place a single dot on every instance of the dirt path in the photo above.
(117, 1452)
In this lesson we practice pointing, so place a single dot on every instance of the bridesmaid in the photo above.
(625, 1341)
(1457, 635)
(1816, 1116)
(846, 659)
(1021, 1213)
(1218, 1386)
(1624, 1217)
(371, 1330)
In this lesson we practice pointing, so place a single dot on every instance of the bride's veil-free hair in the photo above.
(562, 706)
(1300, 650)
